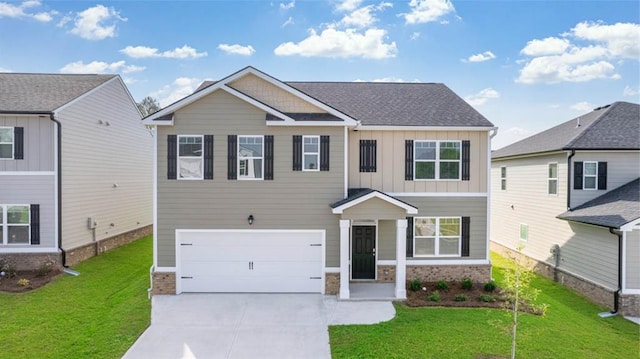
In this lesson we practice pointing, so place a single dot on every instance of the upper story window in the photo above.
(437, 236)
(190, 157)
(6, 142)
(311, 153)
(590, 175)
(250, 157)
(437, 160)
(15, 224)
(552, 178)
(503, 178)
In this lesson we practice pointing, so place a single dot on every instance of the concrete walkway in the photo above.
(249, 325)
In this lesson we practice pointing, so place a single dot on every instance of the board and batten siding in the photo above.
(292, 200)
(39, 135)
(29, 190)
(106, 169)
(390, 172)
(632, 280)
(586, 251)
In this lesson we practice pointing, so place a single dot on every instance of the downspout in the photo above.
(573, 153)
(616, 294)
(59, 175)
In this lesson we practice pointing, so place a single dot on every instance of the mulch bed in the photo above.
(447, 297)
(35, 280)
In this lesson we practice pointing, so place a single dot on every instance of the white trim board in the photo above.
(438, 194)
(385, 197)
(437, 262)
(53, 250)
(27, 173)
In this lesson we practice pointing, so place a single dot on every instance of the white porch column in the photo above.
(401, 258)
(344, 259)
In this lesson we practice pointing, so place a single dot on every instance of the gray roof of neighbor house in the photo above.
(33, 93)
(611, 127)
(392, 104)
(613, 209)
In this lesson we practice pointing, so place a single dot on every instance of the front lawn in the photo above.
(98, 314)
(571, 329)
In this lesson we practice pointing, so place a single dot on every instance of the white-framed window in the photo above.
(190, 157)
(437, 160)
(250, 157)
(437, 236)
(590, 175)
(15, 220)
(310, 153)
(503, 178)
(524, 232)
(552, 178)
(6, 143)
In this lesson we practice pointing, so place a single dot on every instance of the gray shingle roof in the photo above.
(355, 193)
(613, 209)
(44, 92)
(616, 126)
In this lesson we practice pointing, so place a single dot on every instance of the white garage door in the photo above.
(259, 261)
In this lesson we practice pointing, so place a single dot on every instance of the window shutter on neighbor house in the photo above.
(35, 224)
(324, 153)
(577, 175)
(18, 143)
(466, 226)
(268, 157)
(408, 160)
(368, 155)
(602, 175)
(409, 236)
(208, 157)
(172, 156)
(232, 157)
(466, 160)
(297, 153)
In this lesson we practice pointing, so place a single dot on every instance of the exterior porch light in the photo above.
(250, 219)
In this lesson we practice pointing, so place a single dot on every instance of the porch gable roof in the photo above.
(362, 195)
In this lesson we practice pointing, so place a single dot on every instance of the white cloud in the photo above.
(288, 22)
(99, 67)
(288, 6)
(485, 56)
(590, 56)
(583, 106)
(415, 36)
(630, 91)
(364, 16)
(482, 97)
(335, 43)
(96, 23)
(509, 136)
(20, 11)
(237, 49)
(184, 52)
(181, 87)
(348, 5)
(423, 11)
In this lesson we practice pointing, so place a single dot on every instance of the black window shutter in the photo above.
(35, 224)
(208, 156)
(232, 150)
(324, 153)
(172, 156)
(577, 175)
(297, 153)
(268, 157)
(368, 155)
(409, 236)
(18, 143)
(602, 175)
(466, 160)
(408, 160)
(466, 221)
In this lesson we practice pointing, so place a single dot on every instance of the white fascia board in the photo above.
(424, 128)
(266, 108)
(410, 209)
(181, 103)
(438, 194)
(306, 123)
(437, 262)
(150, 122)
(53, 250)
(631, 226)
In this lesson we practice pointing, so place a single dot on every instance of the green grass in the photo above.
(571, 329)
(98, 314)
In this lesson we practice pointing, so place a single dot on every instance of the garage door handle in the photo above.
(250, 265)
(186, 277)
(315, 278)
(186, 244)
(316, 245)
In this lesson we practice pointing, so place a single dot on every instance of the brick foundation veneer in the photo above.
(163, 283)
(82, 253)
(434, 273)
(32, 261)
(331, 283)
(629, 305)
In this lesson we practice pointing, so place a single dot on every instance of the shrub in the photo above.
(466, 283)
(490, 286)
(434, 297)
(460, 298)
(7, 269)
(23, 282)
(415, 285)
(487, 298)
(44, 268)
(442, 285)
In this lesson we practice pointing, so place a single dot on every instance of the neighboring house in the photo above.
(267, 186)
(569, 197)
(75, 168)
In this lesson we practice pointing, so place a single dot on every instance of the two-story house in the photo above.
(270, 186)
(569, 196)
(75, 163)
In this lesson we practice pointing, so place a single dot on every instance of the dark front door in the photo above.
(363, 252)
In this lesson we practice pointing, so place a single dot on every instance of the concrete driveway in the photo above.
(249, 325)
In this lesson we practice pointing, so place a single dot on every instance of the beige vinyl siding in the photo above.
(271, 94)
(389, 175)
(633, 260)
(32, 190)
(38, 143)
(622, 167)
(386, 240)
(107, 170)
(292, 200)
(374, 208)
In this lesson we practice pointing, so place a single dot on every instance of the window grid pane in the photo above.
(250, 161)
(435, 236)
(6, 135)
(18, 215)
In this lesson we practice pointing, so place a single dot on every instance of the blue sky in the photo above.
(525, 65)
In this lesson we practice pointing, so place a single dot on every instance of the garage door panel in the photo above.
(245, 285)
(226, 268)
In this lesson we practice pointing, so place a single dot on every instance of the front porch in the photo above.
(372, 291)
